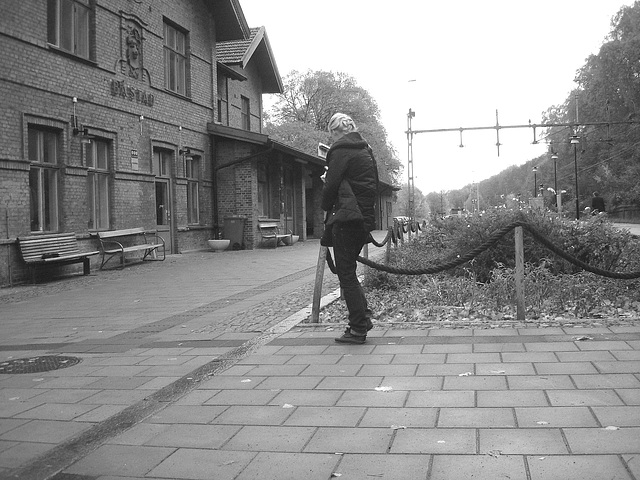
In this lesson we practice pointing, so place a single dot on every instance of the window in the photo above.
(223, 101)
(43, 179)
(97, 159)
(263, 190)
(68, 25)
(193, 177)
(161, 162)
(175, 60)
(246, 114)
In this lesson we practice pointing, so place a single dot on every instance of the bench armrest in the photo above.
(155, 236)
(103, 243)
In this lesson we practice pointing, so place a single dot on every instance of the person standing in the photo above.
(349, 197)
(597, 204)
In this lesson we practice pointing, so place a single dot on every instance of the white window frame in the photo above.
(175, 59)
(70, 26)
(43, 147)
(245, 113)
(97, 154)
(192, 171)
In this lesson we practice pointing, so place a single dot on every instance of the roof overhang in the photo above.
(223, 131)
(230, 72)
(299, 155)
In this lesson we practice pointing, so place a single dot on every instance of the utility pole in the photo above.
(410, 187)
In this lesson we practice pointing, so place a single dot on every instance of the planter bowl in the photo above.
(218, 245)
(291, 239)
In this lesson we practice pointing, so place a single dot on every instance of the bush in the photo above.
(594, 241)
(486, 285)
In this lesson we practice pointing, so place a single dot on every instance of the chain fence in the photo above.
(396, 234)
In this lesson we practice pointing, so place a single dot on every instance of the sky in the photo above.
(454, 63)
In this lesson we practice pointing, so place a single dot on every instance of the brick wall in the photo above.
(39, 83)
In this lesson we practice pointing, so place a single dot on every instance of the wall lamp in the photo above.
(82, 131)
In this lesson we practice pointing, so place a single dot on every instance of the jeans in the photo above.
(348, 240)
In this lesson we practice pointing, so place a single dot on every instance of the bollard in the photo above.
(520, 308)
(317, 290)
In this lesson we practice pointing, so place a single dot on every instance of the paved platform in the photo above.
(199, 368)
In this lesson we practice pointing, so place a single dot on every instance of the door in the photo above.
(163, 212)
(162, 170)
(289, 201)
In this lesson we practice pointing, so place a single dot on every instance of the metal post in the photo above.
(410, 187)
(520, 307)
(575, 141)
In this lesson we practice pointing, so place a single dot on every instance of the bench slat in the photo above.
(133, 248)
(121, 233)
(69, 257)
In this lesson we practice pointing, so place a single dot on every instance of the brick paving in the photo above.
(198, 367)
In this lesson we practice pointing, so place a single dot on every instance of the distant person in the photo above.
(349, 198)
(597, 204)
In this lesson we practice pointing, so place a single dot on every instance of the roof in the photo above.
(256, 48)
(229, 19)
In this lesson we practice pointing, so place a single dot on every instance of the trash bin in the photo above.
(234, 231)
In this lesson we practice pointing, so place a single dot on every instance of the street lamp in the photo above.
(575, 140)
(554, 157)
(535, 181)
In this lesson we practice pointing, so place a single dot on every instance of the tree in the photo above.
(608, 90)
(421, 203)
(302, 112)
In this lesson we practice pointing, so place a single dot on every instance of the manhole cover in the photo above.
(37, 364)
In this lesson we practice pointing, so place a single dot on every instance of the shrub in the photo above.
(486, 285)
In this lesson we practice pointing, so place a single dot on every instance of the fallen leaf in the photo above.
(334, 474)
(287, 405)
(582, 339)
(383, 389)
(542, 423)
(465, 374)
(494, 453)
(246, 380)
(398, 427)
(611, 427)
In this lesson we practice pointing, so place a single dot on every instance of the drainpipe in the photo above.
(214, 181)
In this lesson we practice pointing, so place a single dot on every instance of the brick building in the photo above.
(140, 113)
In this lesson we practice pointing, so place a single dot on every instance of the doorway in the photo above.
(161, 167)
(289, 201)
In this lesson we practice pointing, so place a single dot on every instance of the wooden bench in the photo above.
(53, 249)
(119, 242)
(270, 230)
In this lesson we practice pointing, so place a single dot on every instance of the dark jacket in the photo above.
(351, 184)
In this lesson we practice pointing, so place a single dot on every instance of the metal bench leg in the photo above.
(86, 266)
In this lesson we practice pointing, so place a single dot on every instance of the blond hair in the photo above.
(343, 123)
